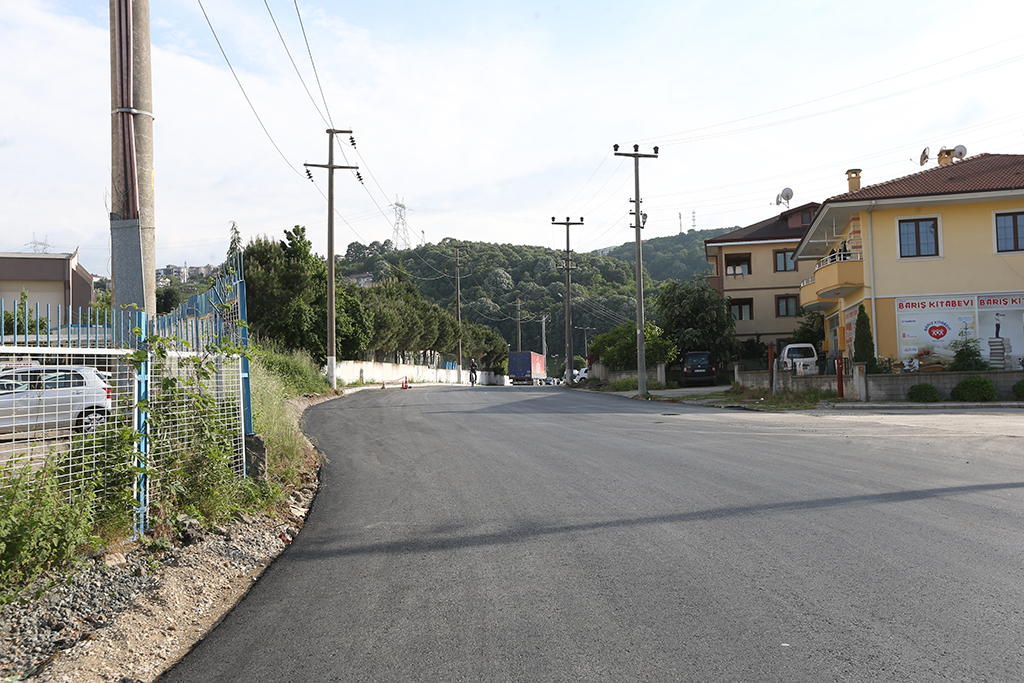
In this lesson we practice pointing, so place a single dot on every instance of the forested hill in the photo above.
(675, 257)
(492, 277)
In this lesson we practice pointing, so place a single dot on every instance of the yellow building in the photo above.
(933, 256)
(755, 267)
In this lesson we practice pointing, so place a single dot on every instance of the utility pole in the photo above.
(132, 213)
(519, 325)
(640, 219)
(586, 344)
(569, 267)
(458, 313)
(332, 345)
(544, 335)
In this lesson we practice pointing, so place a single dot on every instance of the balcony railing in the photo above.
(838, 257)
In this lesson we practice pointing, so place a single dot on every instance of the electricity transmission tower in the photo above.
(400, 238)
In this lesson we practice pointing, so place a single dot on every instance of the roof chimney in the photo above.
(945, 156)
(853, 177)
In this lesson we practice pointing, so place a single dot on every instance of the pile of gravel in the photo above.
(36, 628)
(33, 630)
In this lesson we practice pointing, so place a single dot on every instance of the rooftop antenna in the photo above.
(784, 197)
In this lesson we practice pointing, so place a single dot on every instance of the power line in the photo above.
(244, 94)
(296, 66)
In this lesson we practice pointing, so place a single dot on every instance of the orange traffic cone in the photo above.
(405, 382)
(384, 385)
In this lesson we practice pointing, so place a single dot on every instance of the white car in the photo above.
(54, 397)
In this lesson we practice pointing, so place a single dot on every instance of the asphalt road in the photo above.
(543, 534)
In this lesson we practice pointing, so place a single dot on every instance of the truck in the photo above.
(526, 367)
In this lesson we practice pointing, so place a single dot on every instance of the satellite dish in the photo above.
(924, 156)
(786, 194)
(959, 152)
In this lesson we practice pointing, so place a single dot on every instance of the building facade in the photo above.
(934, 257)
(55, 279)
(756, 268)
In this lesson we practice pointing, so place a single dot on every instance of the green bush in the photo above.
(40, 526)
(924, 393)
(974, 388)
(1018, 389)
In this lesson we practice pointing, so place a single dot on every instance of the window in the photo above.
(737, 264)
(805, 218)
(785, 261)
(742, 309)
(919, 237)
(1010, 232)
(785, 306)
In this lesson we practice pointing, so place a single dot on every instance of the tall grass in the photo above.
(275, 376)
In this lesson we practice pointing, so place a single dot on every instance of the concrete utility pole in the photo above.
(519, 324)
(458, 313)
(641, 218)
(332, 344)
(544, 335)
(586, 344)
(132, 214)
(569, 267)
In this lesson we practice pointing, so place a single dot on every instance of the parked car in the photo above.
(697, 367)
(801, 358)
(54, 397)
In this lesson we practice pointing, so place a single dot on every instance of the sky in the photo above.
(485, 120)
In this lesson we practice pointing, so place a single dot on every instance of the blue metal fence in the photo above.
(209, 323)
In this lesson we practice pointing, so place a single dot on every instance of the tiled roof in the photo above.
(775, 228)
(979, 173)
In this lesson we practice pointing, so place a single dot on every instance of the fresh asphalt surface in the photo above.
(543, 534)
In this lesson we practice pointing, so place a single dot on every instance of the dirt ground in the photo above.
(196, 589)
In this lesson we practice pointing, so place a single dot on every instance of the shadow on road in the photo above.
(527, 530)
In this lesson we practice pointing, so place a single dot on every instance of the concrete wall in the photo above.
(354, 372)
(895, 387)
(864, 387)
(603, 373)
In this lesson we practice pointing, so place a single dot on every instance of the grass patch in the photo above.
(783, 400)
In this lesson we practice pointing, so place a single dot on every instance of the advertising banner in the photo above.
(927, 325)
(1001, 328)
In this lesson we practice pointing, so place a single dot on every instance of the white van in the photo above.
(803, 358)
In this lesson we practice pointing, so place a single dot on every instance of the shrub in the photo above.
(974, 388)
(1018, 389)
(924, 393)
(967, 355)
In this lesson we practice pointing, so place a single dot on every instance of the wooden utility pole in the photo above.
(332, 344)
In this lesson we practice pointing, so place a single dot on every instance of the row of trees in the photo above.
(286, 297)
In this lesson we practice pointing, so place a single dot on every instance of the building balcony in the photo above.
(715, 282)
(835, 276)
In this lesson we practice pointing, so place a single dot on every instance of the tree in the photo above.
(811, 329)
(167, 299)
(696, 318)
(863, 342)
(235, 246)
(618, 347)
(286, 298)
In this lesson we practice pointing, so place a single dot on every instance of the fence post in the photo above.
(143, 448)
(839, 376)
